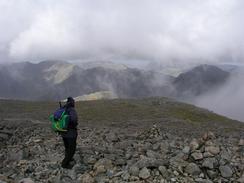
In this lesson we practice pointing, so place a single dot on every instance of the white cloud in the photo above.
(140, 29)
(228, 100)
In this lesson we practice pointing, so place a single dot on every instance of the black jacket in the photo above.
(72, 125)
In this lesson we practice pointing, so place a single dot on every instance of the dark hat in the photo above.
(70, 102)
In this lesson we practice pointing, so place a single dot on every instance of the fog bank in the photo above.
(227, 100)
(182, 30)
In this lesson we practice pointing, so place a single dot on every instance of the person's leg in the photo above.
(72, 147)
(65, 161)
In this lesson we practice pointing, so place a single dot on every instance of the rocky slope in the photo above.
(121, 141)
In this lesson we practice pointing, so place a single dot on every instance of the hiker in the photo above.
(70, 136)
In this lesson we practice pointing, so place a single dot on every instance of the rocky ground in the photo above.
(32, 153)
(187, 145)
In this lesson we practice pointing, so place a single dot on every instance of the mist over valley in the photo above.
(208, 86)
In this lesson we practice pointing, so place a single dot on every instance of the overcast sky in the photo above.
(161, 30)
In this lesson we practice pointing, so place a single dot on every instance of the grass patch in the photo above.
(117, 110)
(193, 114)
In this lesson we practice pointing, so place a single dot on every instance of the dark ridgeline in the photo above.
(199, 80)
(54, 80)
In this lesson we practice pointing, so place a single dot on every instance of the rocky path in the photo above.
(33, 153)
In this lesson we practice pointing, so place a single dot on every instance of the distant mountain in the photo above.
(199, 80)
(128, 83)
(29, 81)
(55, 80)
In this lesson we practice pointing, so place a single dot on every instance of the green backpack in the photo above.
(59, 120)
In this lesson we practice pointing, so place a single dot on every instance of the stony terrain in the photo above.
(129, 145)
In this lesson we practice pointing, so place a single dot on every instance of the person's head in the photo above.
(70, 102)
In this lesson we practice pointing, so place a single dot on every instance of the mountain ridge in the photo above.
(200, 79)
(55, 80)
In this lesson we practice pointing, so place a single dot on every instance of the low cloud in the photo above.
(228, 100)
(161, 30)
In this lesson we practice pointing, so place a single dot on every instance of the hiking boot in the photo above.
(69, 166)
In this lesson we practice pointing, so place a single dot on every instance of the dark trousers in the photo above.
(70, 147)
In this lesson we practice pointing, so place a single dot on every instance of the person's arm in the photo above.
(73, 117)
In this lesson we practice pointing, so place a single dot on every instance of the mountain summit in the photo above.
(199, 80)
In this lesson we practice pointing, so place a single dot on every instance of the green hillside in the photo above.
(164, 112)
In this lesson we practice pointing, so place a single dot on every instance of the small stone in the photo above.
(125, 176)
(110, 173)
(163, 171)
(151, 154)
(207, 154)
(37, 140)
(201, 175)
(156, 172)
(192, 169)
(79, 168)
(241, 179)
(209, 143)
(91, 160)
(134, 171)
(86, 178)
(101, 179)
(134, 179)
(149, 162)
(212, 149)
(200, 180)
(156, 146)
(194, 145)
(112, 137)
(186, 150)
(100, 169)
(225, 171)
(176, 173)
(22, 162)
(211, 135)
(173, 179)
(128, 155)
(178, 161)
(197, 156)
(120, 162)
(144, 173)
(119, 174)
(104, 163)
(225, 155)
(205, 136)
(209, 163)
(212, 174)
(163, 181)
(26, 180)
(241, 142)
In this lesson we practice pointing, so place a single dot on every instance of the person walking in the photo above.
(70, 136)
